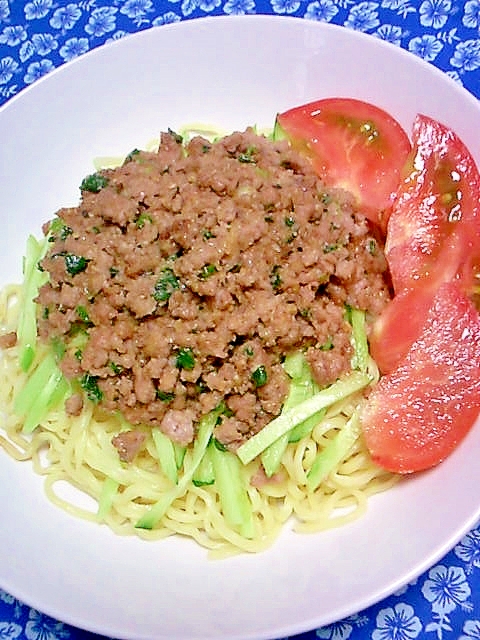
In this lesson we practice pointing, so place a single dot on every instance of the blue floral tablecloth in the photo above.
(40, 35)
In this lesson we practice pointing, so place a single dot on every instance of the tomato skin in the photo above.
(416, 415)
(433, 236)
(354, 145)
(398, 326)
(434, 229)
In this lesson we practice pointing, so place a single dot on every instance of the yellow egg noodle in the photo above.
(77, 452)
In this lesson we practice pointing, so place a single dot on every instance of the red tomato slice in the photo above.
(434, 229)
(354, 145)
(398, 326)
(418, 414)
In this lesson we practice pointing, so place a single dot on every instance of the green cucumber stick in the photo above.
(166, 455)
(43, 390)
(344, 387)
(278, 132)
(205, 431)
(302, 387)
(236, 506)
(359, 340)
(272, 456)
(108, 493)
(205, 474)
(180, 451)
(33, 278)
(334, 452)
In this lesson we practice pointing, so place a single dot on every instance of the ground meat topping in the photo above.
(185, 276)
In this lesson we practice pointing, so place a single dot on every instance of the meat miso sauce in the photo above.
(183, 278)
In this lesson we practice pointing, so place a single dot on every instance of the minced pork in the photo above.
(185, 276)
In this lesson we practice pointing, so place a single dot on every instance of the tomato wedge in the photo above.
(416, 415)
(433, 236)
(433, 232)
(354, 145)
(398, 326)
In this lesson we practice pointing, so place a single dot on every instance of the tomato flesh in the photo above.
(416, 415)
(433, 232)
(353, 145)
(398, 326)
(433, 236)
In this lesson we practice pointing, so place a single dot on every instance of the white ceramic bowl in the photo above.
(232, 72)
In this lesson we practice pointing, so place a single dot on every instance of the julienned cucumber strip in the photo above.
(304, 428)
(205, 430)
(33, 278)
(180, 451)
(43, 390)
(232, 492)
(278, 133)
(272, 456)
(335, 451)
(345, 386)
(302, 386)
(109, 491)
(205, 474)
(166, 455)
(359, 340)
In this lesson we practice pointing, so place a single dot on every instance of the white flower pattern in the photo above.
(39, 35)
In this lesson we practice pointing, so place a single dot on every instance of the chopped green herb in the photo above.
(166, 284)
(130, 157)
(116, 368)
(176, 136)
(165, 396)
(206, 271)
(201, 386)
(75, 264)
(207, 234)
(65, 232)
(275, 278)
(89, 384)
(94, 183)
(142, 219)
(60, 229)
(292, 237)
(248, 156)
(327, 345)
(219, 445)
(325, 198)
(372, 247)
(328, 248)
(259, 376)
(249, 351)
(113, 271)
(185, 359)
(82, 313)
(289, 221)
